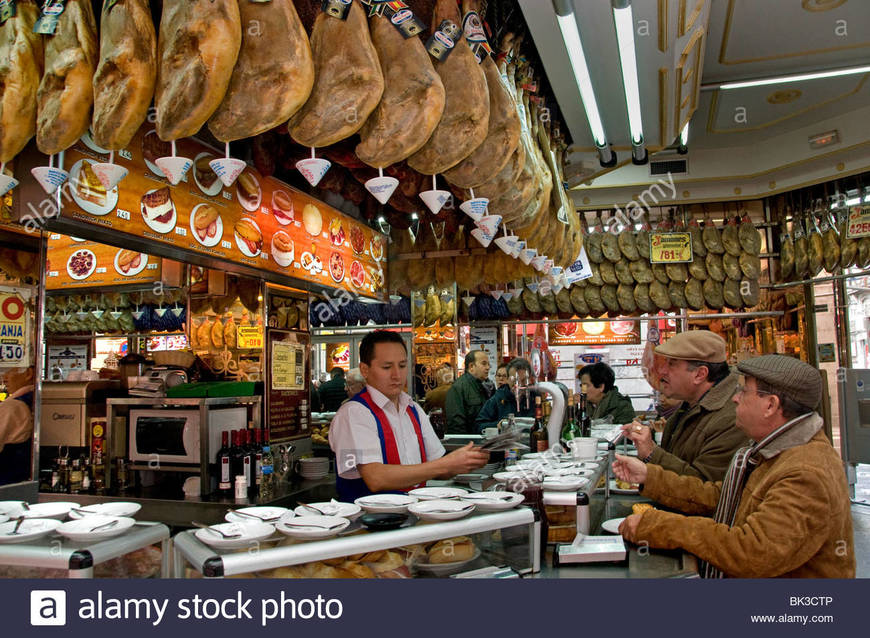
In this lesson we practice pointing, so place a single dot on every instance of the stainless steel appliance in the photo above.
(157, 380)
(67, 408)
(173, 435)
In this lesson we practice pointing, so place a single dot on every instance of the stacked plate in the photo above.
(489, 468)
(314, 468)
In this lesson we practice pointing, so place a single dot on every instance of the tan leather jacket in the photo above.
(700, 440)
(794, 518)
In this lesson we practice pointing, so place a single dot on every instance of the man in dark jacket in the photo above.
(504, 403)
(699, 438)
(334, 391)
(596, 381)
(467, 395)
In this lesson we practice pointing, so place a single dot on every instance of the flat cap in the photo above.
(694, 345)
(790, 377)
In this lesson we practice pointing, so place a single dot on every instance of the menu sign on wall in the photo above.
(594, 333)
(289, 368)
(14, 336)
(78, 263)
(258, 221)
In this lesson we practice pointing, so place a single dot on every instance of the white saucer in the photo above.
(349, 511)
(106, 509)
(264, 513)
(250, 533)
(79, 531)
(30, 529)
(320, 526)
(494, 501)
(441, 509)
(612, 526)
(57, 510)
(386, 503)
(564, 484)
(431, 493)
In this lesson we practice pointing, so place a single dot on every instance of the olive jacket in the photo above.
(700, 440)
(615, 404)
(464, 400)
(793, 521)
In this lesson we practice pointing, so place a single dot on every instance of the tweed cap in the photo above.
(790, 377)
(694, 345)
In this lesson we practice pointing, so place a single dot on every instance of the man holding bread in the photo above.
(383, 441)
(783, 509)
(699, 438)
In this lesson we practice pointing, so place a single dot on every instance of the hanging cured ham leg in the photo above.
(22, 51)
(348, 81)
(465, 122)
(412, 103)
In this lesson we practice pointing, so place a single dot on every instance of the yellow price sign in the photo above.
(250, 337)
(670, 248)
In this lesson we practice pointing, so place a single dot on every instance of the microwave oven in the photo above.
(173, 435)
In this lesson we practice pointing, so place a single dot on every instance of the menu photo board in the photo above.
(78, 263)
(259, 221)
(594, 333)
(288, 372)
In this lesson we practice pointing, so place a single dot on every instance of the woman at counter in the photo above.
(383, 441)
(596, 381)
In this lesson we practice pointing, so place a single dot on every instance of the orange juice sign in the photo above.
(258, 221)
(13, 330)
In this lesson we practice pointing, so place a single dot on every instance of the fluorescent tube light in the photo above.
(624, 21)
(574, 47)
(784, 79)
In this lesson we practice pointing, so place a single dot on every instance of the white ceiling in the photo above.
(757, 133)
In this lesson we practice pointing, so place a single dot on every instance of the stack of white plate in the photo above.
(314, 468)
(489, 468)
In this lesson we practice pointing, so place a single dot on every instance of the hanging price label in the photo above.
(670, 248)
(13, 330)
(859, 221)
(250, 337)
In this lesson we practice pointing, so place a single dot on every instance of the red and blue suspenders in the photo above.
(351, 489)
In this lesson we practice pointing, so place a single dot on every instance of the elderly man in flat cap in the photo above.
(699, 438)
(783, 509)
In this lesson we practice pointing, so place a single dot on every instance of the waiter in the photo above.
(382, 440)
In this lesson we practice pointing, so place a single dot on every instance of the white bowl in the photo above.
(320, 526)
(117, 508)
(30, 529)
(250, 533)
(386, 503)
(349, 511)
(432, 493)
(494, 501)
(266, 514)
(79, 531)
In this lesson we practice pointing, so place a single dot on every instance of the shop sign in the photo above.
(338, 355)
(859, 221)
(670, 248)
(591, 333)
(259, 221)
(250, 337)
(827, 353)
(288, 366)
(13, 330)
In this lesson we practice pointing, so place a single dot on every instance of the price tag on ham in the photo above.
(859, 221)
(670, 248)
(250, 337)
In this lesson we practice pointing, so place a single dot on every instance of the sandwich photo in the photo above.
(282, 248)
(205, 223)
(205, 177)
(89, 187)
(248, 236)
(282, 207)
(157, 206)
(248, 190)
(128, 260)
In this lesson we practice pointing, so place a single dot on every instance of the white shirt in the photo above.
(353, 435)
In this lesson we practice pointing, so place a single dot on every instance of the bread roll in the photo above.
(66, 92)
(389, 561)
(22, 52)
(352, 569)
(451, 550)
(197, 48)
(639, 508)
(126, 75)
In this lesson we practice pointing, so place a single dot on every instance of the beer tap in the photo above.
(557, 415)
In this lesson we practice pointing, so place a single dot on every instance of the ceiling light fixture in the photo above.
(785, 79)
(571, 36)
(623, 20)
(683, 148)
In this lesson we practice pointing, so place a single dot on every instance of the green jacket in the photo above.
(616, 405)
(464, 401)
(700, 440)
(793, 520)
